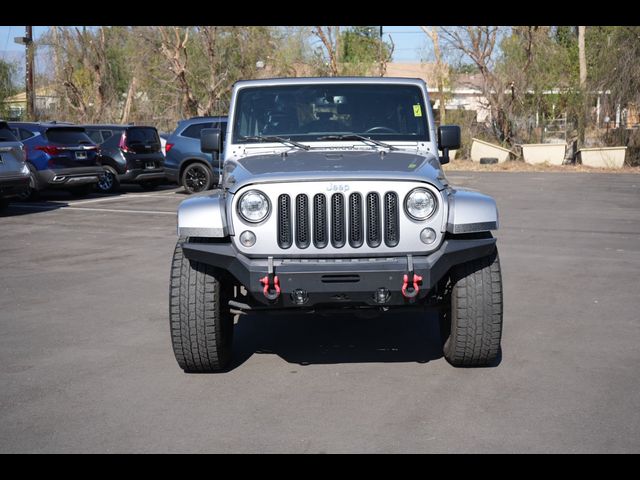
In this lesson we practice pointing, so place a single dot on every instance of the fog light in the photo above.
(428, 235)
(247, 238)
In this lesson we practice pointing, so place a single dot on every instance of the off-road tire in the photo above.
(200, 320)
(471, 322)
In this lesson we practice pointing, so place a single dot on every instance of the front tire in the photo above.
(471, 322)
(200, 319)
(196, 178)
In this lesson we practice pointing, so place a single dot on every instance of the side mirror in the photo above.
(448, 138)
(210, 140)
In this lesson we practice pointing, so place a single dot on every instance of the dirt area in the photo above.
(520, 166)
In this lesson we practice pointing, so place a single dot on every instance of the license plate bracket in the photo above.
(81, 155)
(149, 165)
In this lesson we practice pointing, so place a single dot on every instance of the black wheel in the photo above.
(4, 203)
(108, 182)
(81, 191)
(32, 192)
(488, 161)
(471, 322)
(201, 322)
(196, 178)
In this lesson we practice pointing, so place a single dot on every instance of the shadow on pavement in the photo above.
(316, 339)
(54, 199)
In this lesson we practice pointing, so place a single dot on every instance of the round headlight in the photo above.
(420, 204)
(254, 206)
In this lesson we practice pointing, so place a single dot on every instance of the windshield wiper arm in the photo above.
(273, 138)
(355, 136)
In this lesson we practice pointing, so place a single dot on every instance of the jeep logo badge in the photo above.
(335, 187)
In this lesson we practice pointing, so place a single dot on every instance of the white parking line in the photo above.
(118, 197)
(152, 212)
(52, 207)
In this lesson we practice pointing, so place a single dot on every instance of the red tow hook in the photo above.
(270, 282)
(271, 289)
(413, 290)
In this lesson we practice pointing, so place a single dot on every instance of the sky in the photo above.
(409, 41)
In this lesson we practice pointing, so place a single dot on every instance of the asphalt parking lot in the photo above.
(86, 363)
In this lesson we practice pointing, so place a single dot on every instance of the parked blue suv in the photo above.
(185, 163)
(59, 156)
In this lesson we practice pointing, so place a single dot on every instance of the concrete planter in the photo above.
(551, 153)
(605, 157)
(481, 149)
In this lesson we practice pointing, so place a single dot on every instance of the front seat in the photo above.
(283, 119)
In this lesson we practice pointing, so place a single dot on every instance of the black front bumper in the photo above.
(13, 186)
(333, 282)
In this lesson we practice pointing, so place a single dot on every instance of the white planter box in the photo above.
(481, 149)
(605, 157)
(551, 153)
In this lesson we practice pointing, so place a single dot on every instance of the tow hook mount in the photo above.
(411, 281)
(270, 282)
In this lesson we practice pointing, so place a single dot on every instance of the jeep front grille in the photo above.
(355, 220)
(284, 221)
(329, 221)
(337, 220)
(391, 220)
(302, 221)
(320, 225)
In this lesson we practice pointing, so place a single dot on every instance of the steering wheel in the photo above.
(381, 130)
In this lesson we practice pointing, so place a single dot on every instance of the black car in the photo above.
(129, 154)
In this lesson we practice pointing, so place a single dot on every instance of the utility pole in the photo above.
(380, 54)
(27, 41)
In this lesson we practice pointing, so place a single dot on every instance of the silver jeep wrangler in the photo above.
(333, 197)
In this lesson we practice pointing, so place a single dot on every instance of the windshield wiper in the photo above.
(355, 136)
(272, 138)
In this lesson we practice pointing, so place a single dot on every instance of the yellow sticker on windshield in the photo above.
(417, 110)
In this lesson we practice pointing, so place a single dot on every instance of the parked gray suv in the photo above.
(333, 198)
(14, 174)
(186, 164)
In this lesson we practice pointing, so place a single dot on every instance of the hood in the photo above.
(331, 165)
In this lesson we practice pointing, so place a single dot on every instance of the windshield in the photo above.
(309, 112)
(68, 136)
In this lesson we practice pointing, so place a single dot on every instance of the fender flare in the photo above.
(471, 211)
(203, 216)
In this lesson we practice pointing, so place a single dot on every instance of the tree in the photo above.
(7, 86)
(442, 72)
(330, 38)
(353, 51)
(479, 44)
